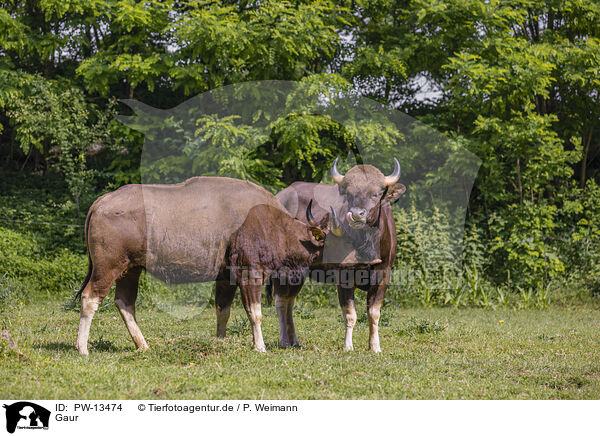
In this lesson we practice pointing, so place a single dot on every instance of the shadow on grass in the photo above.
(186, 349)
(56, 346)
(98, 345)
(273, 345)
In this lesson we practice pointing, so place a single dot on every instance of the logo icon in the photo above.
(26, 415)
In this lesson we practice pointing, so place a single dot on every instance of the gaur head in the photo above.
(364, 188)
(318, 231)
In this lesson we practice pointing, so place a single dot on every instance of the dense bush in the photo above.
(25, 268)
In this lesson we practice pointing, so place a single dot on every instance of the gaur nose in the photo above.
(358, 214)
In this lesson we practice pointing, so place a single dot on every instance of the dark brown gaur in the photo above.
(367, 248)
(271, 244)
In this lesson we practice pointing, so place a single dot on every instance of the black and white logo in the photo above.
(26, 415)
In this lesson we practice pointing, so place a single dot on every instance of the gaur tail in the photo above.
(89, 271)
(86, 280)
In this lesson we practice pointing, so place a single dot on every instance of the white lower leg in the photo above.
(89, 305)
(222, 318)
(349, 313)
(128, 314)
(374, 314)
(281, 308)
(255, 315)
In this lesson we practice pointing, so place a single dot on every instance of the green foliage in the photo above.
(21, 259)
(53, 120)
(425, 242)
(428, 272)
(299, 148)
(42, 207)
(132, 49)
(229, 43)
(514, 82)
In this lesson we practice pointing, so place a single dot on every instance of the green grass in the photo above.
(433, 353)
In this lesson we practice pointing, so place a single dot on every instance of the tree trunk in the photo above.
(586, 151)
(519, 179)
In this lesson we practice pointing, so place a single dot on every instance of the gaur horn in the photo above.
(336, 228)
(337, 177)
(394, 177)
(309, 216)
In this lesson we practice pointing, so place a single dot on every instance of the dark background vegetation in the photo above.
(515, 82)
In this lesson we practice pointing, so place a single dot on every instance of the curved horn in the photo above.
(309, 216)
(336, 228)
(337, 177)
(395, 176)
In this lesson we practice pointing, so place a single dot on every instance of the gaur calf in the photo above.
(270, 243)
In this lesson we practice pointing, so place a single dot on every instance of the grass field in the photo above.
(427, 354)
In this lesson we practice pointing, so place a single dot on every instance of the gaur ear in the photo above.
(324, 223)
(394, 192)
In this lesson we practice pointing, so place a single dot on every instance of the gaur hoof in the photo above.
(348, 347)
